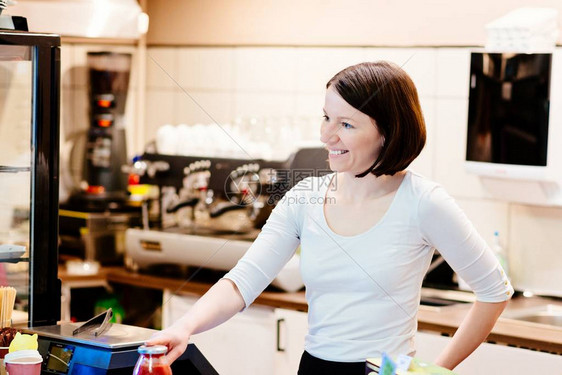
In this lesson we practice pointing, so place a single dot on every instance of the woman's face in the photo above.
(352, 137)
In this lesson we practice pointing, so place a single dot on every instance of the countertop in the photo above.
(444, 320)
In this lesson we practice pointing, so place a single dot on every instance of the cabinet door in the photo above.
(292, 326)
(16, 172)
(29, 167)
(491, 358)
(243, 345)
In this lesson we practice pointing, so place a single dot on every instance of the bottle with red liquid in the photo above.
(152, 361)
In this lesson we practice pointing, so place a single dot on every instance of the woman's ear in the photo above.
(382, 143)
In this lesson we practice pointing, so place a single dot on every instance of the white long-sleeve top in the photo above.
(363, 291)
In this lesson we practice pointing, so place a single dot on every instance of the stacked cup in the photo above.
(23, 362)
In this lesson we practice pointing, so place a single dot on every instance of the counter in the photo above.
(444, 320)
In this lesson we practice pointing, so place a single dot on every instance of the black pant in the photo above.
(311, 365)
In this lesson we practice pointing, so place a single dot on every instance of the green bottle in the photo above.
(500, 253)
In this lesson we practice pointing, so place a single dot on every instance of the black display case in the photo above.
(29, 170)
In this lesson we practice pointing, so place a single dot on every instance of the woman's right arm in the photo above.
(273, 248)
(219, 304)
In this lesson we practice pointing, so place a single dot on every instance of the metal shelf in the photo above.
(8, 169)
(14, 260)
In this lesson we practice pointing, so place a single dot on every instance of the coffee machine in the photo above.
(94, 218)
(219, 206)
(105, 184)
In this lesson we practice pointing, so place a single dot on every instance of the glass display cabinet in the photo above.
(29, 147)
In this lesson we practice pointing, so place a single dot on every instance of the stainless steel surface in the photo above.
(146, 248)
(450, 295)
(210, 232)
(545, 314)
(442, 298)
(118, 336)
(553, 320)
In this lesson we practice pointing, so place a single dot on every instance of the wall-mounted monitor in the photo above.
(514, 115)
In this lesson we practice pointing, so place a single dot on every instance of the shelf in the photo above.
(103, 41)
(8, 169)
(14, 260)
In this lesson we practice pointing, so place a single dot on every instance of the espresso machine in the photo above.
(94, 218)
(211, 209)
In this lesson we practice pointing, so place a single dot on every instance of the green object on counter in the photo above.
(388, 367)
(113, 303)
(385, 365)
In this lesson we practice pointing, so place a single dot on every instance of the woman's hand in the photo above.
(474, 329)
(219, 304)
(175, 338)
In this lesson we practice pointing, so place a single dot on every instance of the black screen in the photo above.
(58, 358)
(508, 108)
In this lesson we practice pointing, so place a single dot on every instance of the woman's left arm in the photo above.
(446, 228)
(474, 329)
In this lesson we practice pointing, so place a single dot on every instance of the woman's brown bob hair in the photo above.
(385, 92)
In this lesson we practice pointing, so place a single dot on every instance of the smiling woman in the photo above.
(367, 234)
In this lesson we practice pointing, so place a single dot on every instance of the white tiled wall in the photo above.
(265, 69)
(450, 146)
(207, 85)
(162, 67)
(207, 68)
(488, 216)
(536, 248)
(316, 66)
(205, 107)
(425, 162)
(452, 79)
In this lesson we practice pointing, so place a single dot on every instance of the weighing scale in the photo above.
(98, 347)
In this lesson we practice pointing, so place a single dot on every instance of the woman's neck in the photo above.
(356, 190)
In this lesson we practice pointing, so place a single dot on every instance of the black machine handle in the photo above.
(279, 348)
(191, 202)
(224, 207)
